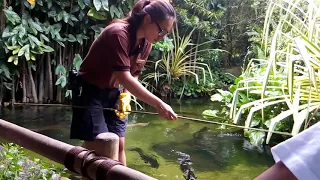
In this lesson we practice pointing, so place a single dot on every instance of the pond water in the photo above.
(165, 149)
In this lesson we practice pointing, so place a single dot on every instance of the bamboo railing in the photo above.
(77, 159)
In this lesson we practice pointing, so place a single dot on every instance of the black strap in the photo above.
(83, 168)
(107, 164)
(70, 157)
(101, 174)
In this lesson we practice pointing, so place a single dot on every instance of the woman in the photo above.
(117, 57)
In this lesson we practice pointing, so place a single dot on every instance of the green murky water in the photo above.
(157, 149)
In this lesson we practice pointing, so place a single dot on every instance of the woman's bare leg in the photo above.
(122, 154)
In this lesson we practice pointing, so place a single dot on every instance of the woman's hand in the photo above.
(166, 111)
(138, 90)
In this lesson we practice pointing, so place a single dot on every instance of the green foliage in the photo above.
(63, 74)
(16, 165)
(161, 47)
(199, 15)
(176, 63)
(179, 63)
(25, 36)
(5, 73)
(188, 87)
(102, 10)
(53, 31)
(280, 91)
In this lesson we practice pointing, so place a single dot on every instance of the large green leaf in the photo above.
(21, 30)
(35, 25)
(97, 28)
(88, 2)
(97, 4)
(62, 81)
(7, 33)
(14, 40)
(105, 4)
(79, 38)
(6, 70)
(210, 113)
(60, 70)
(27, 53)
(23, 50)
(47, 48)
(114, 11)
(39, 2)
(44, 37)
(34, 39)
(96, 15)
(12, 16)
(8, 85)
(257, 137)
(81, 4)
(73, 18)
(71, 38)
(68, 93)
(77, 62)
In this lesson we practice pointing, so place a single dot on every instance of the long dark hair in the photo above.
(158, 10)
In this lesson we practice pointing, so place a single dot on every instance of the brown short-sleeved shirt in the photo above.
(110, 52)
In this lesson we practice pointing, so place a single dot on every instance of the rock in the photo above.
(236, 71)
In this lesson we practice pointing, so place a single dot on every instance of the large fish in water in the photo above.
(146, 158)
(137, 125)
(180, 128)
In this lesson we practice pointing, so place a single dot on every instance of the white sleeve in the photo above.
(301, 153)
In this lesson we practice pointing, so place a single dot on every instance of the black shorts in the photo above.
(88, 122)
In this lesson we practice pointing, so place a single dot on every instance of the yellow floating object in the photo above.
(124, 106)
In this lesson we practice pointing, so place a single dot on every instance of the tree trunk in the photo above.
(33, 86)
(36, 80)
(13, 91)
(196, 53)
(1, 94)
(49, 76)
(58, 98)
(41, 79)
(70, 59)
(24, 89)
(22, 7)
(46, 82)
(3, 16)
(229, 46)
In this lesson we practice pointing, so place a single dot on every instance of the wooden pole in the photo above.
(57, 151)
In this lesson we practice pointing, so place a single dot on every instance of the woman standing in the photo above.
(116, 58)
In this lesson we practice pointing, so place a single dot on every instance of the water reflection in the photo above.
(164, 149)
(215, 150)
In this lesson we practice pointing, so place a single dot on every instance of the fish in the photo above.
(179, 128)
(199, 134)
(138, 125)
(44, 128)
(146, 158)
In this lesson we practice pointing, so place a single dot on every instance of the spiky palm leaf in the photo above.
(293, 60)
